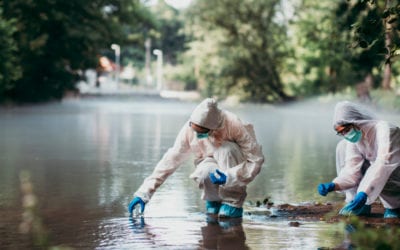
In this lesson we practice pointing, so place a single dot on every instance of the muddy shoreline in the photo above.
(328, 212)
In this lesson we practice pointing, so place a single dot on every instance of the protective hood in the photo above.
(347, 112)
(207, 114)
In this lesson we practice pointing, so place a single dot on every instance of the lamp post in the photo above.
(117, 50)
(149, 78)
(159, 55)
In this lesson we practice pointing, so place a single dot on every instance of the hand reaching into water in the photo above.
(134, 203)
(355, 206)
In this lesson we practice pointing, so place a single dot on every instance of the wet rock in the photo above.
(258, 211)
(294, 224)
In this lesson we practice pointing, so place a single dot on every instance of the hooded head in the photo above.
(207, 114)
(350, 113)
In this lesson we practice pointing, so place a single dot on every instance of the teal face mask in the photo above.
(202, 135)
(354, 135)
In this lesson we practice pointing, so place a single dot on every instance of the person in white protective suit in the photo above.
(367, 161)
(227, 158)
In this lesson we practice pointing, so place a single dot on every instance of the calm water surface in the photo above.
(87, 157)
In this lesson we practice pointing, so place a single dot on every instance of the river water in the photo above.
(87, 157)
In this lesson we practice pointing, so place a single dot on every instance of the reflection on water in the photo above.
(197, 232)
(87, 157)
(223, 234)
(278, 235)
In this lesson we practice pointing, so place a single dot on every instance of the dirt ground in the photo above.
(329, 212)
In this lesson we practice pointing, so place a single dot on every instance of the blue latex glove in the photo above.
(355, 206)
(134, 202)
(218, 180)
(325, 188)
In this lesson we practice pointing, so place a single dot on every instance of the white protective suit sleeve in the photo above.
(350, 175)
(171, 160)
(244, 136)
(380, 170)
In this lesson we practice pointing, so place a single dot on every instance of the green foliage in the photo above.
(319, 62)
(364, 28)
(144, 26)
(170, 38)
(182, 76)
(373, 31)
(326, 60)
(9, 69)
(58, 39)
(260, 51)
(238, 45)
(365, 237)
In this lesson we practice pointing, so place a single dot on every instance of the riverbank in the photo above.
(328, 212)
(360, 232)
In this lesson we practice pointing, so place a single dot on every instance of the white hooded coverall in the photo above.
(380, 146)
(230, 147)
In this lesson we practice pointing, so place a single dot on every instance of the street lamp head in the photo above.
(157, 52)
(117, 48)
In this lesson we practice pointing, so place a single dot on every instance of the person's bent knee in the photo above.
(228, 153)
(203, 170)
(227, 148)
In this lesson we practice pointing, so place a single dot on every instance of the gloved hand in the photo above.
(355, 206)
(325, 188)
(136, 200)
(218, 180)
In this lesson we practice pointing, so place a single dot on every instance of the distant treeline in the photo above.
(261, 51)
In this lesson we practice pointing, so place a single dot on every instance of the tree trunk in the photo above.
(363, 89)
(387, 76)
(387, 73)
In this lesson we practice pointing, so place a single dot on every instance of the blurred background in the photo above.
(259, 51)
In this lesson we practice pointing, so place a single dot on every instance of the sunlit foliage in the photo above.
(239, 48)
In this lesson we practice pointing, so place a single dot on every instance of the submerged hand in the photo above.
(355, 206)
(325, 188)
(218, 180)
(134, 202)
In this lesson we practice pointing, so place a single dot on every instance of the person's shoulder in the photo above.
(228, 114)
(186, 130)
(381, 124)
(230, 117)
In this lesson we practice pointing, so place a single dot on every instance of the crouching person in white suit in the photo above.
(227, 158)
(367, 161)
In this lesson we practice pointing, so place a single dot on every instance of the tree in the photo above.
(374, 33)
(317, 63)
(58, 39)
(170, 38)
(9, 69)
(249, 46)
